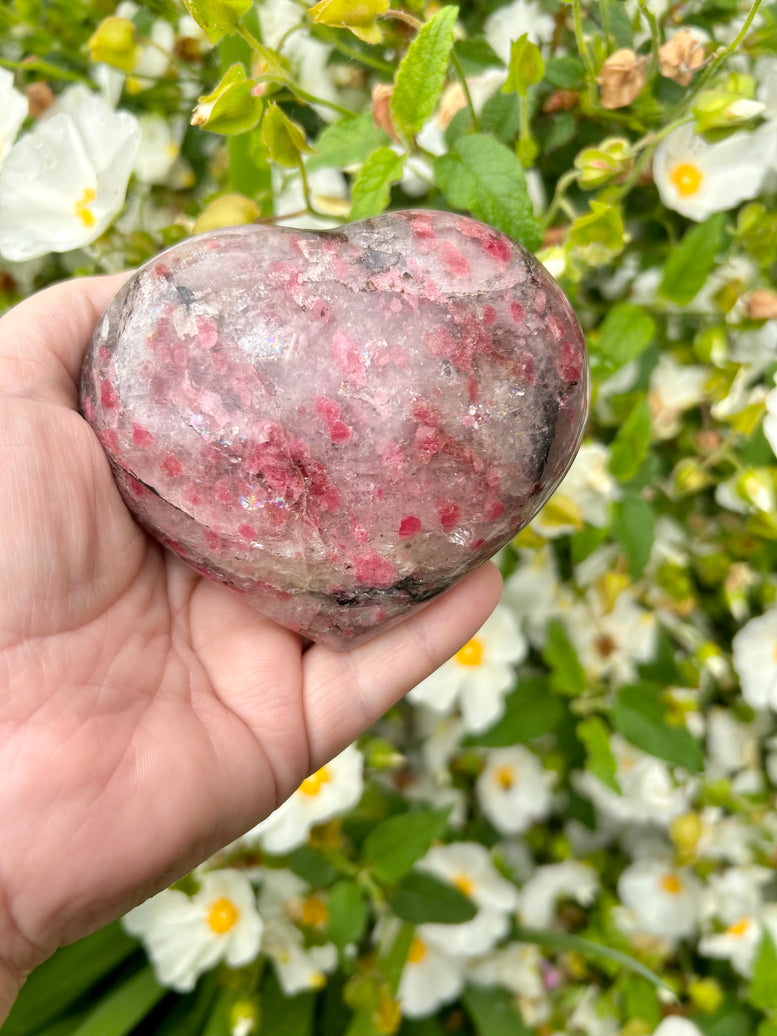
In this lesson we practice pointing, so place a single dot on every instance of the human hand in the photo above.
(147, 716)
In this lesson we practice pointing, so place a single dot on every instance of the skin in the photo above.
(147, 716)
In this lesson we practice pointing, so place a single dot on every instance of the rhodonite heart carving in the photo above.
(339, 425)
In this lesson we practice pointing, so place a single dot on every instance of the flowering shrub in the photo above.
(571, 827)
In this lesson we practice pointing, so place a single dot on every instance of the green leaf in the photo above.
(501, 116)
(530, 711)
(625, 333)
(689, 263)
(370, 193)
(359, 17)
(284, 1015)
(476, 54)
(124, 1006)
(633, 527)
(421, 898)
(394, 846)
(640, 1000)
(566, 73)
(567, 675)
(232, 107)
(599, 758)
(347, 142)
(392, 959)
(526, 67)
(763, 985)
(312, 866)
(768, 1027)
(283, 137)
(421, 74)
(732, 1018)
(639, 716)
(61, 980)
(493, 1011)
(484, 176)
(347, 914)
(587, 948)
(630, 446)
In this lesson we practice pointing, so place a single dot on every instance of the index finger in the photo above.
(43, 339)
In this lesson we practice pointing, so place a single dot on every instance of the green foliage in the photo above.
(485, 177)
(530, 711)
(420, 898)
(394, 846)
(371, 189)
(217, 17)
(639, 716)
(493, 1011)
(567, 675)
(599, 758)
(421, 74)
(690, 263)
(763, 985)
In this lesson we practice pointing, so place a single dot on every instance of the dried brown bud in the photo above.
(560, 101)
(381, 109)
(452, 101)
(761, 304)
(40, 98)
(622, 78)
(681, 56)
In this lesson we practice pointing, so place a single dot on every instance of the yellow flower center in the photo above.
(82, 208)
(314, 912)
(464, 884)
(222, 915)
(505, 777)
(313, 784)
(471, 654)
(671, 884)
(687, 178)
(739, 928)
(417, 951)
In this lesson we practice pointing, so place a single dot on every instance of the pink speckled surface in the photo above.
(339, 425)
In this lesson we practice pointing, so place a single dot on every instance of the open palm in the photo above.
(147, 716)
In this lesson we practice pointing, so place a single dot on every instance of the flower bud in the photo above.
(601, 164)
(358, 18)
(113, 42)
(622, 78)
(381, 109)
(706, 994)
(761, 304)
(40, 97)
(232, 107)
(727, 107)
(230, 210)
(681, 56)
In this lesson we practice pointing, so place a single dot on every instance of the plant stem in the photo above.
(39, 65)
(590, 71)
(332, 38)
(605, 12)
(465, 86)
(655, 38)
(561, 185)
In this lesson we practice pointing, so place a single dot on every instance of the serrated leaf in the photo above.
(529, 712)
(421, 898)
(483, 176)
(371, 191)
(347, 914)
(638, 715)
(394, 846)
(565, 73)
(689, 263)
(631, 444)
(625, 333)
(566, 673)
(600, 760)
(493, 1011)
(762, 992)
(634, 528)
(217, 17)
(421, 73)
(120, 1011)
(347, 142)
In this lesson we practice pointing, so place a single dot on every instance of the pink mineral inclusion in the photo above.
(339, 425)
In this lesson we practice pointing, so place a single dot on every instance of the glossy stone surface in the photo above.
(339, 425)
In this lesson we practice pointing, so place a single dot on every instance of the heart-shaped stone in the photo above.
(339, 425)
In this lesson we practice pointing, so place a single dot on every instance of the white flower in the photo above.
(770, 419)
(532, 591)
(513, 789)
(696, 179)
(592, 1017)
(731, 746)
(63, 183)
(674, 1026)
(735, 893)
(511, 21)
(13, 112)
(737, 943)
(160, 148)
(282, 898)
(332, 789)
(659, 900)
(755, 660)
(479, 676)
(583, 496)
(185, 936)
(430, 978)
(649, 795)
(516, 967)
(611, 637)
(554, 881)
(468, 866)
(674, 388)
